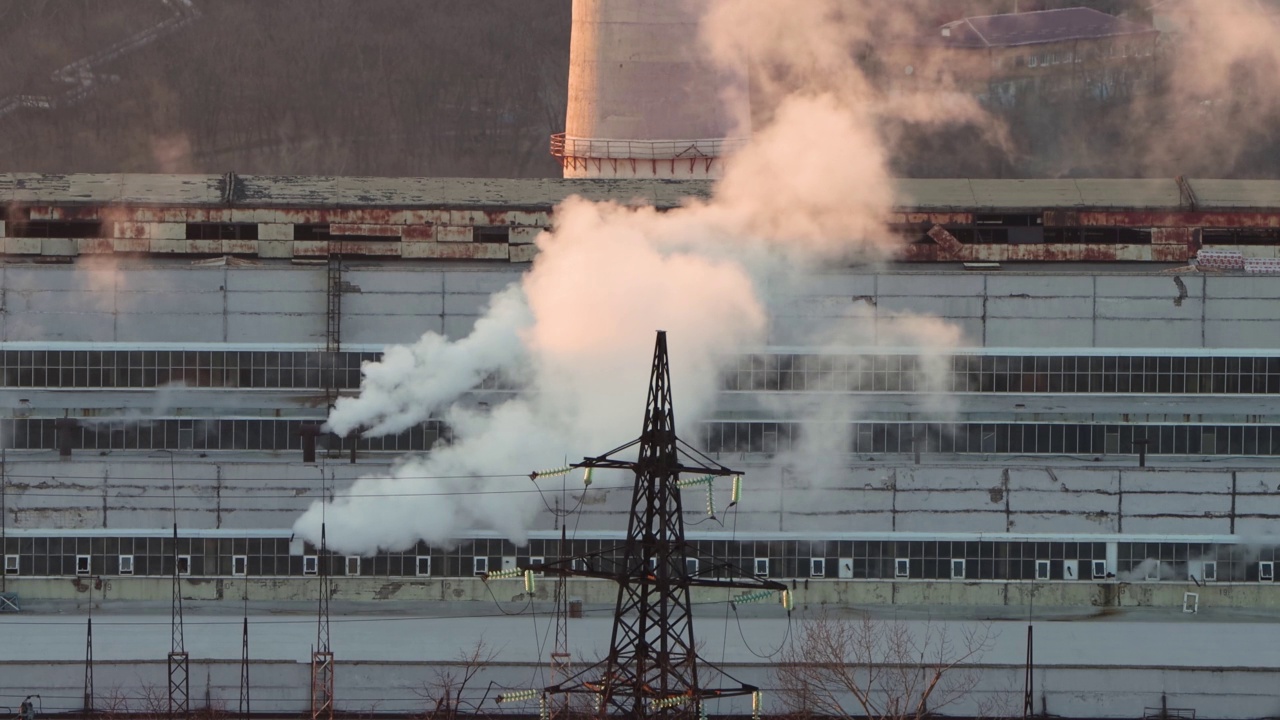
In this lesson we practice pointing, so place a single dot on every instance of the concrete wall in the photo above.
(135, 493)
(391, 664)
(395, 304)
(35, 594)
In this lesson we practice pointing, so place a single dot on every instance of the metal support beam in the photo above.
(321, 686)
(179, 686)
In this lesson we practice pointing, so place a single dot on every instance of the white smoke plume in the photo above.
(578, 330)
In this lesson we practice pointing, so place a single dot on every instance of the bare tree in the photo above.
(445, 692)
(884, 670)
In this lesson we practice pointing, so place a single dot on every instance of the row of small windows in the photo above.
(1002, 438)
(151, 368)
(1005, 373)
(716, 437)
(782, 372)
(193, 434)
(871, 560)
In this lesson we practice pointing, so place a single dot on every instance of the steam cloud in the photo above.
(810, 188)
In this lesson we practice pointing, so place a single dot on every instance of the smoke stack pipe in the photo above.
(66, 432)
(1142, 451)
(309, 433)
(643, 99)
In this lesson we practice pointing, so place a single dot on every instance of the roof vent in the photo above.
(946, 31)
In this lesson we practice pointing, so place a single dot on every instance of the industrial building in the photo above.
(170, 347)
(169, 352)
(155, 374)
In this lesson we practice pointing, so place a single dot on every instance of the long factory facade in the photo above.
(1107, 422)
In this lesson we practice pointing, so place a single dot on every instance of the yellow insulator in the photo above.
(586, 477)
(757, 701)
(517, 695)
(788, 602)
(711, 501)
(528, 581)
(544, 712)
(500, 574)
(736, 495)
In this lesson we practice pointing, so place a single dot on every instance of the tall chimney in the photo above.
(643, 100)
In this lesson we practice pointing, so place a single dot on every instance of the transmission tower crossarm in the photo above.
(609, 463)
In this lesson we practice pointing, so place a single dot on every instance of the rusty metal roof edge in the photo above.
(264, 191)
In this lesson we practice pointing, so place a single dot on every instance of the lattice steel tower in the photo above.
(652, 666)
(322, 654)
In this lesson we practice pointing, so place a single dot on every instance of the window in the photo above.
(423, 567)
(691, 566)
(126, 564)
(310, 565)
(957, 569)
(817, 567)
(1153, 569)
(761, 567)
(653, 564)
(184, 564)
(353, 564)
(1209, 570)
(1099, 569)
(482, 234)
(480, 565)
(1266, 571)
(534, 561)
(1042, 569)
(902, 568)
(82, 564)
(239, 564)
(578, 564)
(10, 564)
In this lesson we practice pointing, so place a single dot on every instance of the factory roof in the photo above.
(1033, 28)
(299, 191)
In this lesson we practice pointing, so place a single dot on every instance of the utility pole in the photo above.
(561, 661)
(322, 654)
(244, 655)
(179, 676)
(652, 667)
(1028, 702)
(88, 656)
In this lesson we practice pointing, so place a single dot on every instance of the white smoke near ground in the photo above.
(810, 188)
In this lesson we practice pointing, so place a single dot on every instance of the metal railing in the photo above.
(563, 146)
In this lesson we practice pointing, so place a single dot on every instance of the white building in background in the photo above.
(628, 59)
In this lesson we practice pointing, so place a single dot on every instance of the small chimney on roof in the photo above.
(946, 31)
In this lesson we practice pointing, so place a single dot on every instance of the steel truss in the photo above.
(652, 669)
